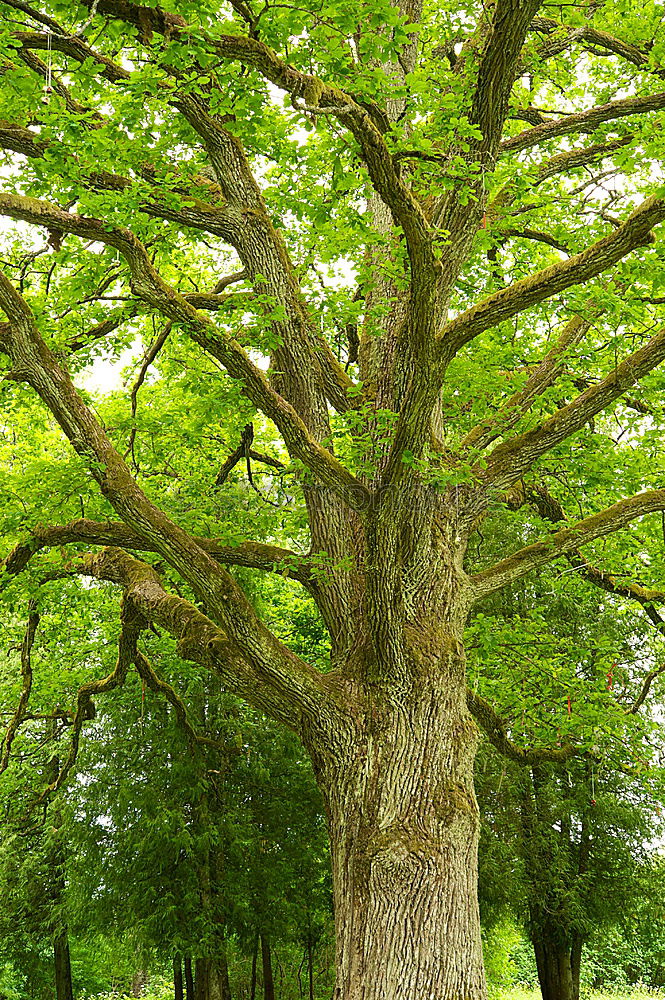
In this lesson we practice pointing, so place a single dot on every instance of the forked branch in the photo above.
(148, 285)
(512, 458)
(508, 302)
(280, 684)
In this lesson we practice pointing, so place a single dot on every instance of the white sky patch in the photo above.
(105, 375)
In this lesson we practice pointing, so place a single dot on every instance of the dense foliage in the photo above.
(331, 395)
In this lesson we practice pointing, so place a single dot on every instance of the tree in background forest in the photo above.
(408, 252)
(172, 836)
(566, 847)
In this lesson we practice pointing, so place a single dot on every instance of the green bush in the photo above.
(158, 989)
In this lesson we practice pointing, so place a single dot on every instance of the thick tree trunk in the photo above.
(558, 967)
(63, 967)
(404, 829)
(177, 979)
(266, 964)
(212, 979)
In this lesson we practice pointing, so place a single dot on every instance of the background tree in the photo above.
(566, 847)
(473, 222)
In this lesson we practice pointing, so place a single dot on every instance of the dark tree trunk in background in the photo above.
(201, 990)
(189, 979)
(558, 967)
(255, 955)
(63, 967)
(177, 979)
(266, 964)
(310, 966)
(576, 965)
(223, 975)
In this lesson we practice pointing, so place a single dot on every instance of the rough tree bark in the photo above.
(558, 964)
(389, 728)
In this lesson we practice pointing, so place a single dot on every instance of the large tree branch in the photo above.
(584, 121)
(550, 509)
(281, 685)
(542, 376)
(310, 371)
(212, 584)
(512, 458)
(496, 731)
(501, 48)
(364, 120)
(562, 36)
(254, 555)
(572, 159)
(509, 302)
(566, 540)
(494, 47)
(26, 686)
(151, 288)
(213, 218)
(235, 218)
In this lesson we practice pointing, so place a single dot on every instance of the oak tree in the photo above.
(417, 239)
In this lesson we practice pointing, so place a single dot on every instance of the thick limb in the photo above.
(567, 539)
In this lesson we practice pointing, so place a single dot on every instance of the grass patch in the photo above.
(614, 993)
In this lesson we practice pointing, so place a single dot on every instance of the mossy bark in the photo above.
(404, 830)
